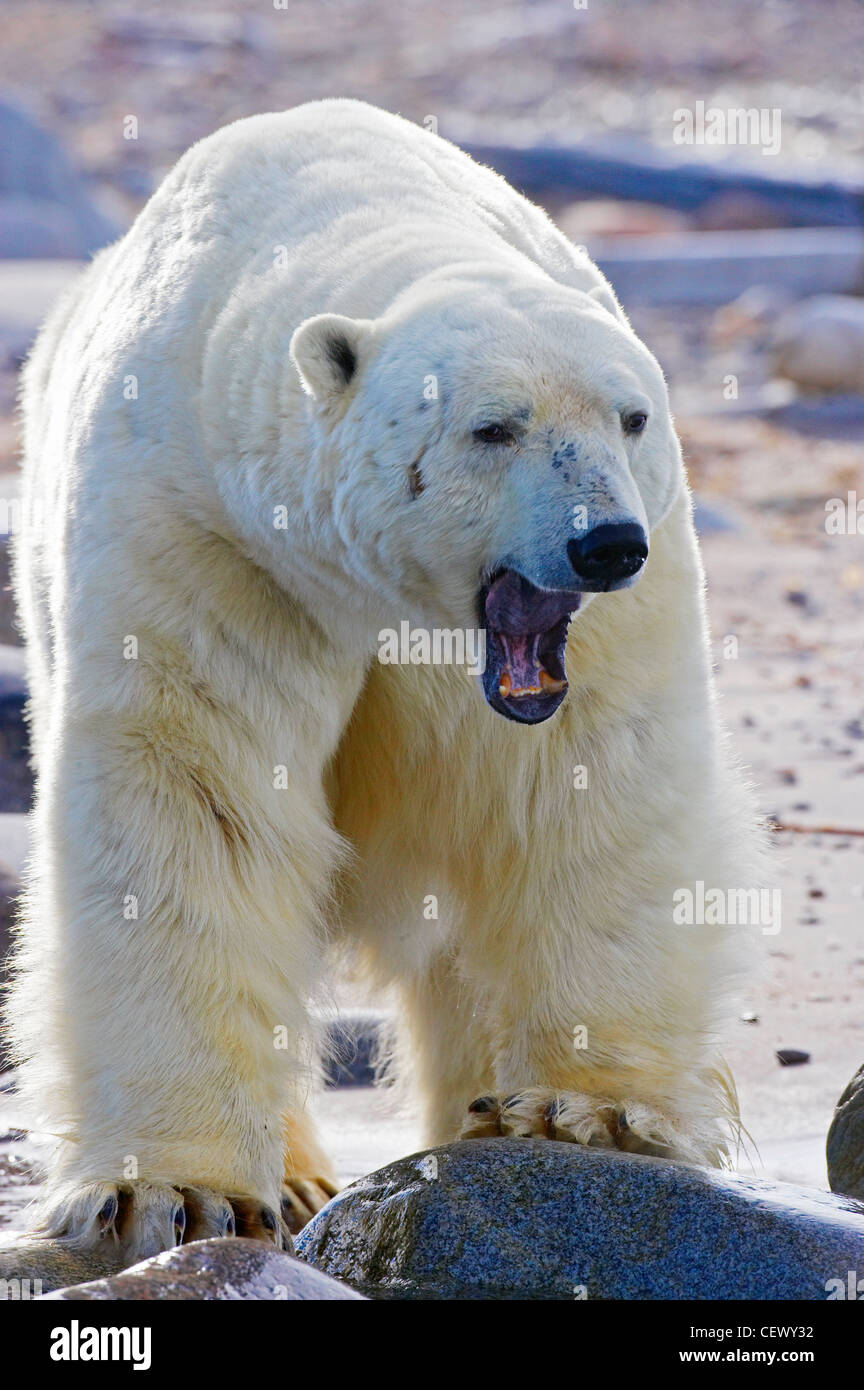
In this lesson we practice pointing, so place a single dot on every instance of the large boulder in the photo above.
(45, 208)
(532, 1219)
(845, 1145)
(819, 344)
(232, 1269)
(30, 1268)
(205, 1270)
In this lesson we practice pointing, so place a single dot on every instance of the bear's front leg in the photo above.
(169, 947)
(588, 1052)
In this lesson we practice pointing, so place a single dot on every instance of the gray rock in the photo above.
(352, 1046)
(16, 776)
(819, 344)
(845, 1145)
(713, 268)
(31, 1267)
(838, 416)
(9, 890)
(28, 291)
(13, 673)
(231, 1269)
(45, 208)
(709, 519)
(792, 1056)
(532, 1219)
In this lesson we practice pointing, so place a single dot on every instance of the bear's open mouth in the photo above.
(526, 633)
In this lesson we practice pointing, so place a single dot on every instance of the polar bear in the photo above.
(338, 377)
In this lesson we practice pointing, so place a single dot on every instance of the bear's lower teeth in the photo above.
(547, 686)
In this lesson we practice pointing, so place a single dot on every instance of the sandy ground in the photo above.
(793, 597)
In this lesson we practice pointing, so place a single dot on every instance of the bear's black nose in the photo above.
(608, 554)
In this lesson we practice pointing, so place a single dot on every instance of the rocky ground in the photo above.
(494, 1220)
(500, 70)
(763, 465)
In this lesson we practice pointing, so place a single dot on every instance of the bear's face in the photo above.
(506, 451)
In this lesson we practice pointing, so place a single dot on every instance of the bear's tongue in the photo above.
(522, 672)
(520, 615)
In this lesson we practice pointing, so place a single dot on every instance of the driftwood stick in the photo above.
(794, 828)
(649, 175)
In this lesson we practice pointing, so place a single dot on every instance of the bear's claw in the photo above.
(144, 1218)
(302, 1198)
(576, 1118)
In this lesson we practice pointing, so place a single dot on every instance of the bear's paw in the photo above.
(303, 1198)
(143, 1218)
(576, 1118)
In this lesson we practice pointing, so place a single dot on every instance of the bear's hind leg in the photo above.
(450, 1053)
(310, 1178)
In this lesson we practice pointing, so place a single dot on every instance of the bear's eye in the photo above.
(494, 434)
(635, 422)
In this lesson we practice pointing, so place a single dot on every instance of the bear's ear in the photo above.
(326, 351)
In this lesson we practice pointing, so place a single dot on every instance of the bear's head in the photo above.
(498, 449)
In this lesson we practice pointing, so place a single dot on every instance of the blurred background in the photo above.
(711, 158)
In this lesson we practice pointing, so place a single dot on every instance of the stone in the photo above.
(45, 209)
(352, 1046)
(751, 317)
(839, 416)
(712, 268)
(14, 842)
(206, 1270)
(709, 519)
(845, 1144)
(534, 1219)
(28, 291)
(9, 890)
(819, 344)
(738, 210)
(16, 776)
(613, 217)
(31, 1267)
(792, 1056)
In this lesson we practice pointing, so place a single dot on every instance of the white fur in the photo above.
(153, 518)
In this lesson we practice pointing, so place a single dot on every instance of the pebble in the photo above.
(791, 1057)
